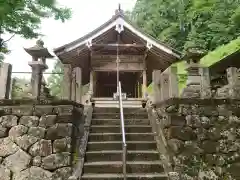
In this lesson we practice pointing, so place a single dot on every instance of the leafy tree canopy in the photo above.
(23, 17)
(187, 23)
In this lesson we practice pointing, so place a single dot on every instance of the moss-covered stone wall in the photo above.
(202, 137)
(38, 139)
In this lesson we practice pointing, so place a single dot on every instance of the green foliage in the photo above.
(211, 58)
(187, 23)
(55, 80)
(20, 88)
(24, 17)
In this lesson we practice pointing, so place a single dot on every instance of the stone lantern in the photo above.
(193, 85)
(38, 64)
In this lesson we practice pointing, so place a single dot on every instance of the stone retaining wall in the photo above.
(202, 137)
(38, 139)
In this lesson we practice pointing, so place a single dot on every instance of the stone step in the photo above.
(93, 156)
(118, 137)
(116, 167)
(117, 110)
(117, 145)
(118, 122)
(116, 129)
(117, 116)
(145, 176)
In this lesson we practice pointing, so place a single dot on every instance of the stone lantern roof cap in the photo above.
(194, 54)
(39, 51)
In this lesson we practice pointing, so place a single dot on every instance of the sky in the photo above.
(86, 16)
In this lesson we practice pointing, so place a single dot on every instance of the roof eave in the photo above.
(108, 25)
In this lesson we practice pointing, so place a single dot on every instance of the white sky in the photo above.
(87, 15)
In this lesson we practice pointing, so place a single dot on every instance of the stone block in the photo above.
(38, 132)
(61, 145)
(8, 121)
(59, 131)
(64, 109)
(17, 131)
(214, 134)
(210, 146)
(176, 120)
(7, 147)
(185, 134)
(56, 161)
(18, 161)
(41, 148)
(22, 110)
(37, 161)
(47, 121)
(175, 145)
(25, 141)
(5, 173)
(3, 131)
(234, 170)
(62, 173)
(64, 118)
(33, 173)
(43, 109)
(29, 121)
(5, 80)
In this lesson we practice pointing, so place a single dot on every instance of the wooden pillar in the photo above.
(94, 83)
(156, 85)
(91, 82)
(78, 74)
(66, 94)
(144, 85)
(73, 85)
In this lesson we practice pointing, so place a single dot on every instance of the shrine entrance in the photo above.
(116, 46)
(106, 84)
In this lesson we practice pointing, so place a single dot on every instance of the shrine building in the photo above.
(93, 59)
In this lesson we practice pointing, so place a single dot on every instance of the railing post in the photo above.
(67, 82)
(168, 84)
(124, 145)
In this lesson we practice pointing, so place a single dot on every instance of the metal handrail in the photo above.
(124, 144)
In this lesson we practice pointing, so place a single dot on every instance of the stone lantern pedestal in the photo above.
(37, 74)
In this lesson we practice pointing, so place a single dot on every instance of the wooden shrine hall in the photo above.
(93, 59)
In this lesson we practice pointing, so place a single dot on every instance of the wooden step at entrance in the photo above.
(116, 167)
(137, 176)
(116, 129)
(117, 145)
(93, 156)
(118, 137)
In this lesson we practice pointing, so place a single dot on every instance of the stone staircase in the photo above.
(103, 160)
